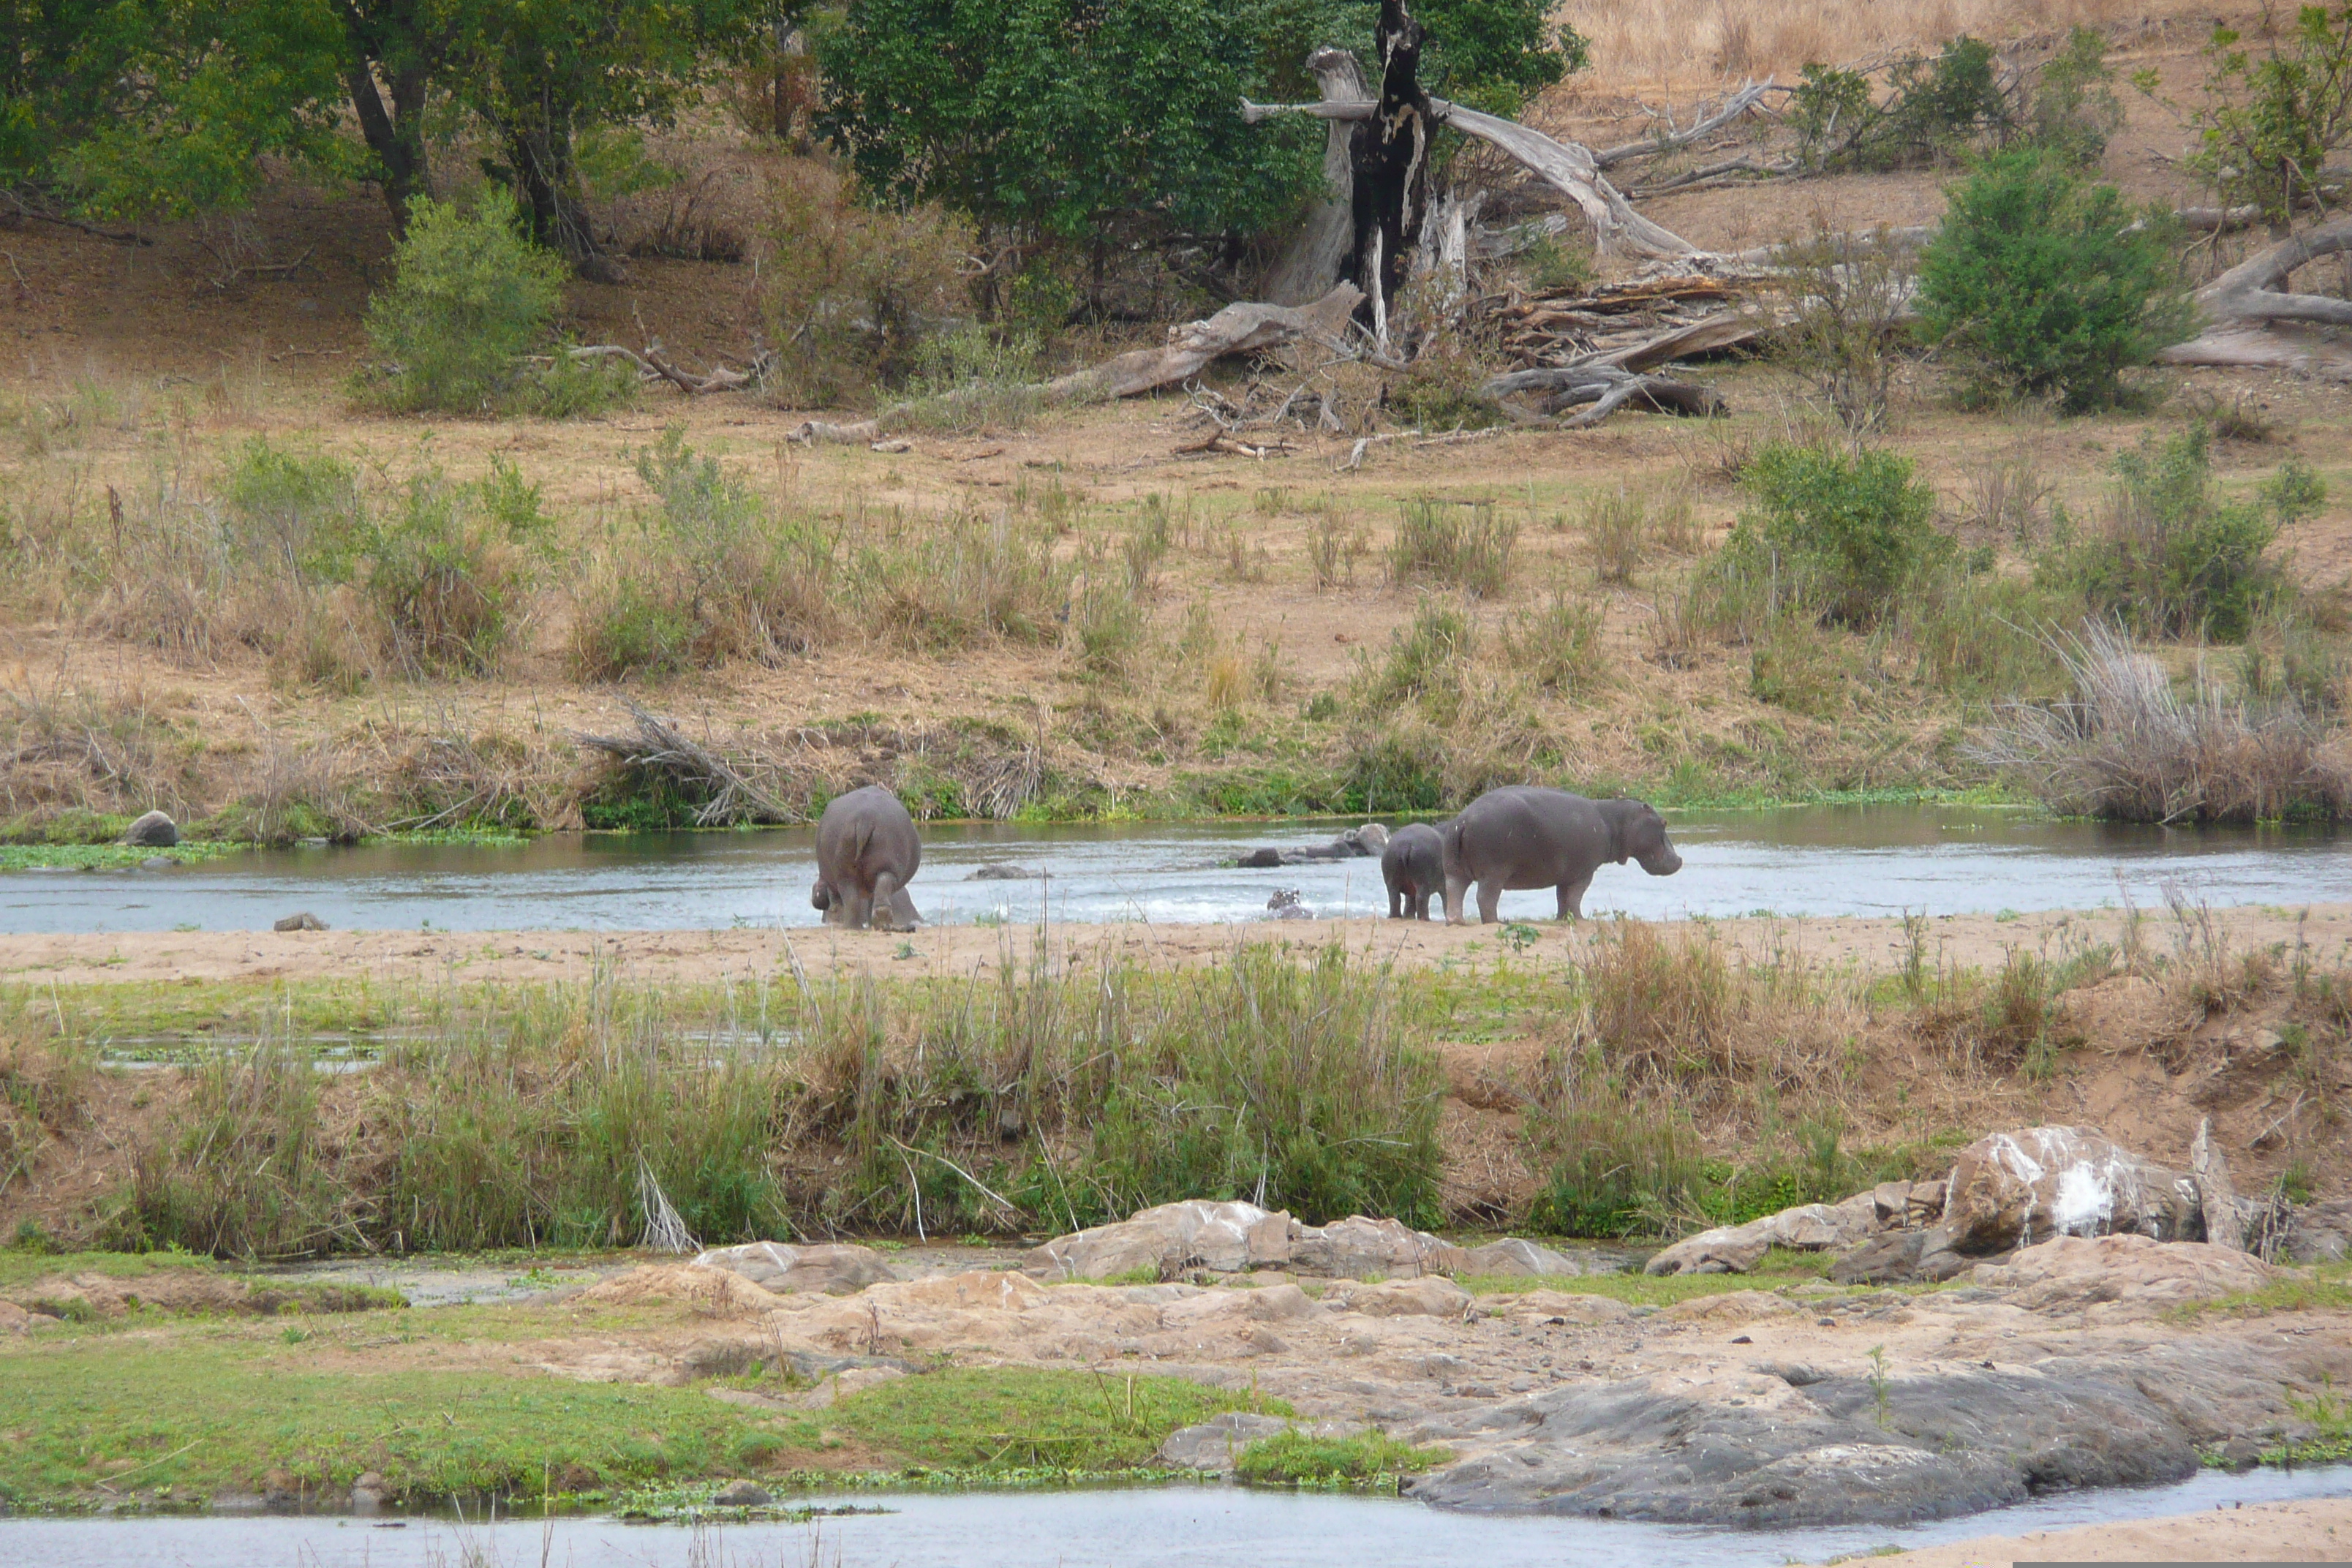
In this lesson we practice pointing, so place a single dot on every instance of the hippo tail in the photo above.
(1449, 843)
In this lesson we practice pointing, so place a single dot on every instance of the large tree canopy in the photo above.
(1086, 119)
(164, 107)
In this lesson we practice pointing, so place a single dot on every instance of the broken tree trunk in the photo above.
(1387, 159)
(1312, 262)
(1566, 166)
(2252, 319)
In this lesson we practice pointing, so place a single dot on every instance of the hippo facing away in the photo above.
(866, 852)
(1525, 836)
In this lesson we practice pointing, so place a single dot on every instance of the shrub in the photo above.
(1849, 319)
(2074, 111)
(1850, 527)
(469, 298)
(2268, 126)
(1427, 660)
(1616, 1166)
(947, 583)
(299, 509)
(2126, 745)
(973, 378)
(1559, 645)
(712, 576)
(442, 574)
(2170, 557)
(853, 289)
(1468, 547)
(2042, 284)
(1933, 108)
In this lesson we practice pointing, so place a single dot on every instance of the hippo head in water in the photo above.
(1639, 834)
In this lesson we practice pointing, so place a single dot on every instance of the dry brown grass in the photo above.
(1668, 46)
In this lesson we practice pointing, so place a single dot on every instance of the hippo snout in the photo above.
(1663, 863)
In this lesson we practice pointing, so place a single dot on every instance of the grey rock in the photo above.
(1820, 1452)
(1213, 1445)
(1514, 1256)
(306, 920)
(743, 1494)
(153, 830)
(1885, 1259)
(1796, 1375)
(1735, 1248)
(2241, 1454)
(370, 1492)
(2320, 1233)
(775, 1266)
(158, 863)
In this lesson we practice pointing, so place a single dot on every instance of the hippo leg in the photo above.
(856, 907)
(1490, 900)
(903, 910)
(886, 902)
(1420, 904)
(1571, 898)
(1396, 904)
(1455, 887)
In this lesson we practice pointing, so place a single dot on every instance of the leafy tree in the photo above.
(161, 107)
(1932, 108)
(1102, 121)
(2043, 283)
(2268, 125)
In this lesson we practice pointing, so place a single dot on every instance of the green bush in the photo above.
(2039, 283)
(1848, 530)
(443, 572)
(2269, 126)
(1293, 1457)
(1467, 547)
(2170, 557)
(469, 299)
(300, 510)
(1933, 108)
(1427, 661)
(2074, 111)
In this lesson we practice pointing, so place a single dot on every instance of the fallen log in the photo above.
(1606, 388)
(2252, 319)
(659, 746)
(654, 362)
(1749, 95)
(1236, 328)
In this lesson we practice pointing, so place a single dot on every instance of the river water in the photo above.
(1173, 1527)
(1814, 860)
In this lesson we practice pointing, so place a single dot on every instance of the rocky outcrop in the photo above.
(2013, 1189)
(1736, 1248)
(1231, 1237)
(1761, 1451)
(153, 830)
(2321, 1232)
(1215, 1443)
(1169, 1239)
(777, 1266)
(2142, 1277)
(1899, 1256)
(1525, 1259)
(1430, 1295)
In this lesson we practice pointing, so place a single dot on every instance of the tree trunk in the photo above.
(541, 174)
(1313, 261)
(1388, 163)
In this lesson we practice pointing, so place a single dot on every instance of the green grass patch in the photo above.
(107, 856)
(194, 1415)
(1017, 1418)
(1368, 1461)
(19, 1266)
(2325, 1287)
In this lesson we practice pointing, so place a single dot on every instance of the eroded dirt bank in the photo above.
(1968, 941)
(2266, 1532)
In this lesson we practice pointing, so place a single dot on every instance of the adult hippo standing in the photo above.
(867, 853)
(1525, 836)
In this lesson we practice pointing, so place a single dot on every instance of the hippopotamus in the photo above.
(1413, 866)
(866, 852)
(1525, 837)
(1357, 842)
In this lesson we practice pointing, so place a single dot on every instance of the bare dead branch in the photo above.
(1748, 97)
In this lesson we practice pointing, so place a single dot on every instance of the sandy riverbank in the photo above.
(1967, 942)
